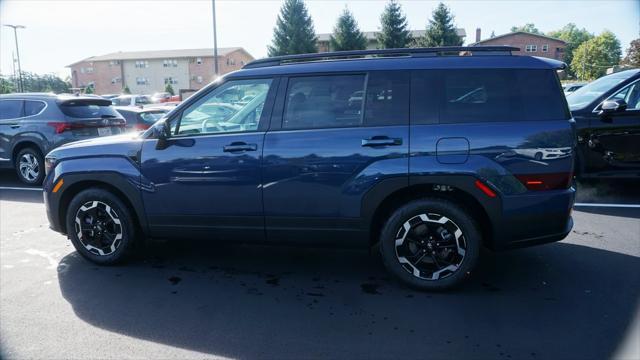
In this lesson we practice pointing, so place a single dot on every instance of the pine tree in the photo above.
(88, 89)
(168, 88)
(394, 32)
(294, 32)
(440, 31)
(346, 34)
(126, 90)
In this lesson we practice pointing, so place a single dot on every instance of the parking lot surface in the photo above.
(576, 299)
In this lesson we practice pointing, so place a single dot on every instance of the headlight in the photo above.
(49, 164)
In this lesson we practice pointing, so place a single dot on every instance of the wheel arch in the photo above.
(23, 144)
(107, 183)
(459, 190)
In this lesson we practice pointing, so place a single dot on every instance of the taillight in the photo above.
(140, 126)
(61, 126)
(554, 181)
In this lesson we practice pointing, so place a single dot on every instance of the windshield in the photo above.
(590, 92)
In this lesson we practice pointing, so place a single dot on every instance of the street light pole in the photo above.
(215, 40)
(15, 35)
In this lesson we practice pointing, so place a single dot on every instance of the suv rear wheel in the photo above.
(100, 226)
(430, 244)
(30, 166)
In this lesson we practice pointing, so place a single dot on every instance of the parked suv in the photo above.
(415, 151)
(607, 114)
(33, 124)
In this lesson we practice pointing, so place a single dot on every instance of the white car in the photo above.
(131, 100)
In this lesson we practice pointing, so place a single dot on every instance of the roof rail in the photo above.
(382, 53)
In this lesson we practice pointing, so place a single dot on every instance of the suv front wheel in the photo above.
(100, 226)
(430, 244)
(30, 166)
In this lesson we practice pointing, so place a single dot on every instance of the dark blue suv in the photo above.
(427, 154)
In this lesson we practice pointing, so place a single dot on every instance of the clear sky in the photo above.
(61, 32)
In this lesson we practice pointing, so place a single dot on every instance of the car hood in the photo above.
(118, 145)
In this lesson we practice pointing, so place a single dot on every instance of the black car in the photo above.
(424, 154)
(33, 124)
(140, 118)
(607, 115)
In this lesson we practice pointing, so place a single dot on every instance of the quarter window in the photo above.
(235, 106)
(10, 109)
(33, 107)
(324, 102)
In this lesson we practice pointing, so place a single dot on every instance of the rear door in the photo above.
(333, 138)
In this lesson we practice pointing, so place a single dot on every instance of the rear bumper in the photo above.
(534, 218)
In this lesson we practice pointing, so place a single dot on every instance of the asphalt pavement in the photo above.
(575, 299)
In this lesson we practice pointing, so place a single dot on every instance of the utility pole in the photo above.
(215, 40)
(15, 77)
(15, 35)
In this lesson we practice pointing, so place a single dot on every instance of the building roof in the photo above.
(159, 54)
(516, 33)
(371, 35)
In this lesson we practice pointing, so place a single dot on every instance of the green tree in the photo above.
(126, 90)
(633, 54)
(593, 57)
(574, 37)
(346, 34)
(43, 83)
(88, 89)
(394, 28)
(530, 28)
(440, 31)
(6, 86)
(168, 88)
(294, 32)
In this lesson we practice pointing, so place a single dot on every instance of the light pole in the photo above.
(15, 35)
(215, 40)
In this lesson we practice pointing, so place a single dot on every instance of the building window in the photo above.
(199, 79)
(114, 62)
(142, 64)
(531, 48)
(170, 63)
(115, 80)
(199, 61)
(82, 70)
(231, 61)
(170, 80)
(545, 47)
(89, 70)
(142, 81)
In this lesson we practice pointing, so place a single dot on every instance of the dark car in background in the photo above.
(607, 115)
(33, 124)
(425, 154)
(141, 118)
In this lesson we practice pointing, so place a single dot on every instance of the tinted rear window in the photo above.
(387, 98)
(88, 110)
(33, 107)
(497, 95)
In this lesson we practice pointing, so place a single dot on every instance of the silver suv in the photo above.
(33, 124)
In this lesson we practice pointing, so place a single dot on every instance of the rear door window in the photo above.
(324, 102)
(387, 99)
(11, 109)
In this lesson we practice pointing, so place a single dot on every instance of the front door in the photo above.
(614, 141)
(206, 181)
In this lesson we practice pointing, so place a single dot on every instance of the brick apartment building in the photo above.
(324, 40)
(146, 72)
(529, 44)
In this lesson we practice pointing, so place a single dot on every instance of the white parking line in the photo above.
(633, 206)
(19, 188)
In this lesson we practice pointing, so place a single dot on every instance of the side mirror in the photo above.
(612, 106)
(163, 133)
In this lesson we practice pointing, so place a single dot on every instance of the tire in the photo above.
(29, 165)
(109, 234)
(538, 156)
(417, 251)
